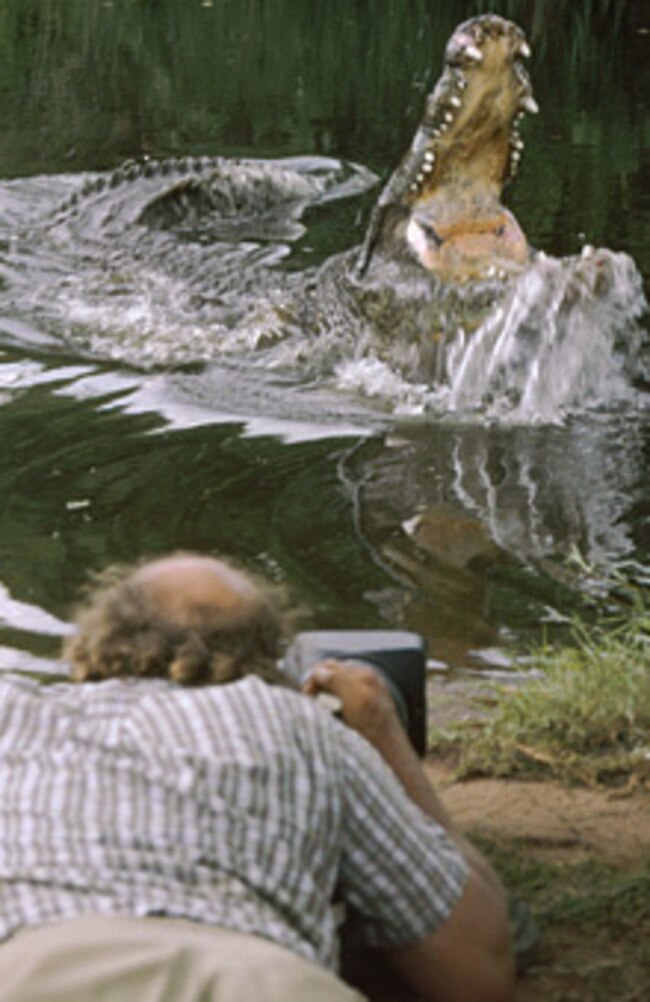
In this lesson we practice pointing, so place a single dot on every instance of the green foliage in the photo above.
(586, 716)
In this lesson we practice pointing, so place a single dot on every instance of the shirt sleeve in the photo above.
(400, 871)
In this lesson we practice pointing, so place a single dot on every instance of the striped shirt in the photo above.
(245, 806)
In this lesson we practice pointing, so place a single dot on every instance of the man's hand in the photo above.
(366, 703)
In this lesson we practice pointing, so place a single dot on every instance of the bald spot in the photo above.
(182, 587)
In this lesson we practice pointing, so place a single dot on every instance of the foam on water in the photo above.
(373, 378)
(27, 617)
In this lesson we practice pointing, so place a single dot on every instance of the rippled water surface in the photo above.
(160, 386)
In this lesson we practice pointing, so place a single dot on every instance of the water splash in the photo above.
(559, 339)
(563, 341)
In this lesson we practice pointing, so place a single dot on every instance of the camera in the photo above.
(397, 655)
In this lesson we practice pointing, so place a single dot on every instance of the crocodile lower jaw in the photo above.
(466, 247)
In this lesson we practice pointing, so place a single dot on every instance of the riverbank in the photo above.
(550, 776)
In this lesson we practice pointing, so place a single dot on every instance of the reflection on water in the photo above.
(84, 483)
(503, 529)
(464, 532)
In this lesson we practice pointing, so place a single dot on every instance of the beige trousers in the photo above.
(114, 959)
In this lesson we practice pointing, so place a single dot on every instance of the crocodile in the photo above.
(442, 256)
(211, 196)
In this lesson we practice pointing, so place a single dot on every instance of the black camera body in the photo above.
(397, 655)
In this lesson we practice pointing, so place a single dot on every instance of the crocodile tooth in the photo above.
(454, 101)
(427, 168)
(449, 117)
(529, 103)
(474, 53)
(419, 177)
(524, 50)
(410, 526)
(414, 187)
(436, 133)
(587, 251)
(491, 272)
(429, 156)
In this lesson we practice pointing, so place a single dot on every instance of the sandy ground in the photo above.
(556, 824)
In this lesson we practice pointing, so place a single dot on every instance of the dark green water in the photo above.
(87, 478)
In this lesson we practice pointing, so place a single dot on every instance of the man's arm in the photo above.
(469, 958)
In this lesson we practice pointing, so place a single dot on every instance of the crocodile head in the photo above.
(442, 206)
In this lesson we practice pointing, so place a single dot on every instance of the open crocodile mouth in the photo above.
(444, 200)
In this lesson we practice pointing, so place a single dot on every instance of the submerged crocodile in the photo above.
(441, 251)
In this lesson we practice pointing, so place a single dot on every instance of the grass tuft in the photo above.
(594, 920)
(589, 892)
(585, 717)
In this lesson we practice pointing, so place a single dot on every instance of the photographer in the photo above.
(180, 829)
